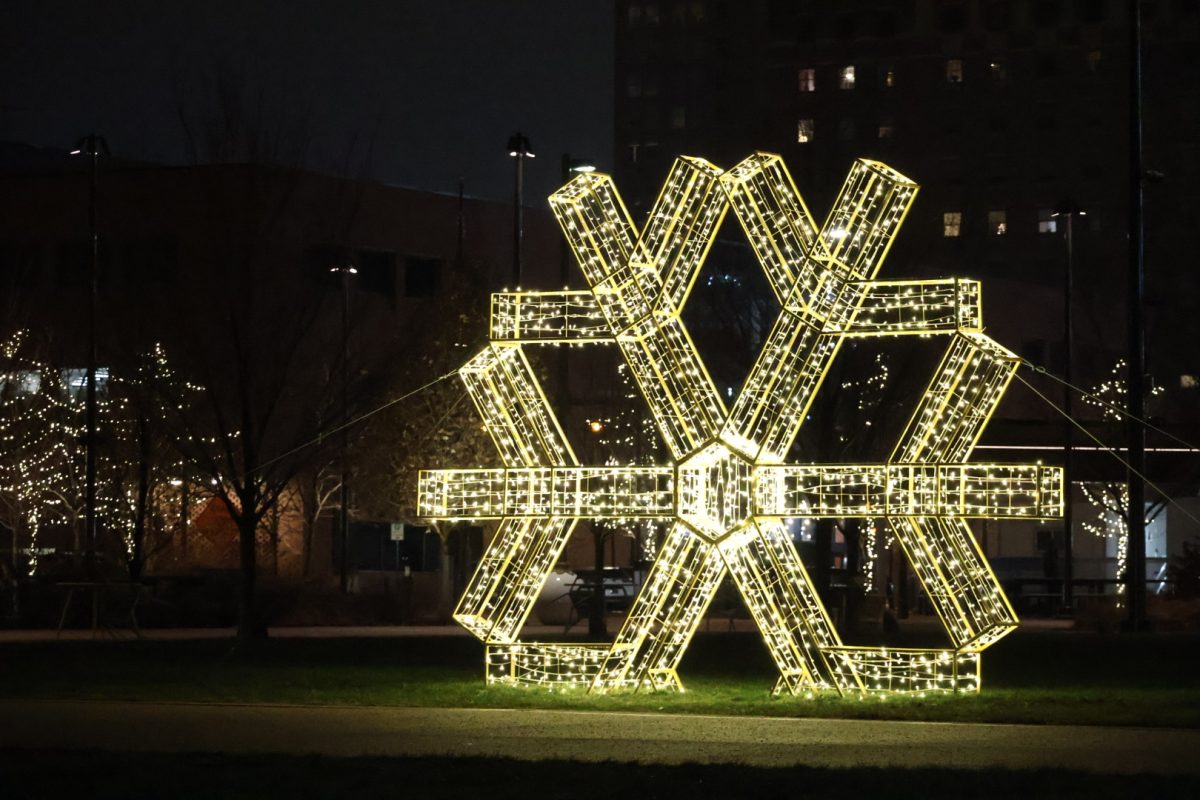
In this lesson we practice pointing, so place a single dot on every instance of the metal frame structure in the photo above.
(729, 489)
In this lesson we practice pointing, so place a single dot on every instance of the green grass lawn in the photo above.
(1069, 678)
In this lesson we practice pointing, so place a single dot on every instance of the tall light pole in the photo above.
(518, 150)
(1067, 211)
(91, 146)
(344, 516)
(1135, 568)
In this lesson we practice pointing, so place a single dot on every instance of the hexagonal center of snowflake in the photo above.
(715, 490)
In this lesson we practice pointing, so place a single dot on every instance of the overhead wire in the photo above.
(1110, 451)
(349, 423)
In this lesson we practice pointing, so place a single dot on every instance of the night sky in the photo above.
(411, 93)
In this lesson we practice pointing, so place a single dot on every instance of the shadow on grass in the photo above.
(38, 774)
(1035, 677)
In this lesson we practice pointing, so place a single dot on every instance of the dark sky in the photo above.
(413, 93)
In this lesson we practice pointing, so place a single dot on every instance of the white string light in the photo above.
(728, 487)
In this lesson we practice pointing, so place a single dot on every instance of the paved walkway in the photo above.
(590, 736)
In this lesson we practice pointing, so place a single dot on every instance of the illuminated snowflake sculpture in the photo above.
(729, 490)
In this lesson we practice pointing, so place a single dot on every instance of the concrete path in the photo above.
(589, 736)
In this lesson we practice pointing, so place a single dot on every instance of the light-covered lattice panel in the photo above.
(729, 485)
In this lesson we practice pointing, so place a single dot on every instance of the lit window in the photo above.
(952, 223)
(887, 128)
(998, 69)
(1188, 382)
(1093, 60)
(998, 222)
(846, 78)
(21, 382)
(678, 117)
(954, 70)
(1046, 221)
(74, 381)
(889, 78)
(808, 80)
(804, 131)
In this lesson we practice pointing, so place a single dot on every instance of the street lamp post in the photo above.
(1135, 567)
(519, 150)
(344, 516)
(1067, 211)
(91, 146)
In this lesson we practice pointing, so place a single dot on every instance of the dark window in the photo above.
(806, 29)
(885, 25)
(996, 16)
(377, 272)
(1091, 10)
(780, 14)
(847, 26)
(422, 276)
(1047, 12)
(1047, 65)
(952, 17)
(846, 129)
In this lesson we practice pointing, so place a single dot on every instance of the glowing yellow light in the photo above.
(728, 489)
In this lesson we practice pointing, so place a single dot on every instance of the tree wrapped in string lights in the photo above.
(729, 485)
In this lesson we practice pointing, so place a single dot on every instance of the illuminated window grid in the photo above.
(828, 277)
(825, 282)
(784, 605)
(889, 308)
(985, 491)
(515, 412)
(554, 666)
(548, 318)
(678, 589)
(689, 491)
(886, 670)
(512, 571)
(580, 492)
(682, 397)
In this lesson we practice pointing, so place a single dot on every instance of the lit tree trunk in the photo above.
(445, 599)
(137, 555)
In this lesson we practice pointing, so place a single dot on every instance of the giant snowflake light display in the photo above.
(729, 489)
